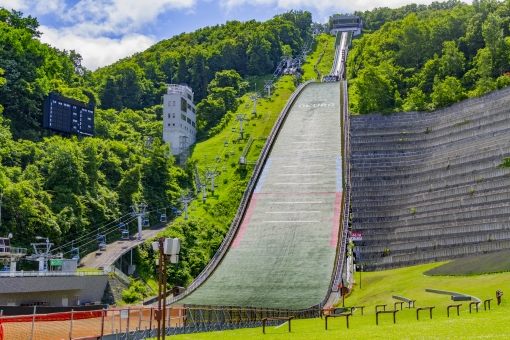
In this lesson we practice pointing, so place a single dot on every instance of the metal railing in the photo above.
(225, 245)
(39, 274)
(123, 277)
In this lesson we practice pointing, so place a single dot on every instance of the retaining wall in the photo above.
(428, 187)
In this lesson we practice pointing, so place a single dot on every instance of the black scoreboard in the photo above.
(68, 115)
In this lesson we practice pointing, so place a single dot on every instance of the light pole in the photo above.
(168, 249)
(360, 270)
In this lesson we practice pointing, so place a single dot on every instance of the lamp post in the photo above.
(360, 267)
(168, 249)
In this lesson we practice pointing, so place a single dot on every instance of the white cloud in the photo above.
(34, 6)
(13, 4)
(119, 16)
(322, 7)
(96, 51)
(102, 31)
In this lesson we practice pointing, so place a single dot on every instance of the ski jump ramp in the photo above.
(283, 254)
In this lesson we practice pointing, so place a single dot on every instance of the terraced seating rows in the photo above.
(428, 186)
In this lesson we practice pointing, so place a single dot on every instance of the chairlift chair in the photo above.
(233, 129)
(75, 254)
(146, 222)
(102, 242)
(162, 218)
(225, 143)
(122, 225)
(125, 234)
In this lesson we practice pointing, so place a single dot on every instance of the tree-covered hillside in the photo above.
(249, 48)
(426, 57)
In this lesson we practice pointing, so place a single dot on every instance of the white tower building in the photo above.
(179, 118)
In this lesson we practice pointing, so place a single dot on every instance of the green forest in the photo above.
(422, 57)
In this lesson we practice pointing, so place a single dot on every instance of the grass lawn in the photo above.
(378, 287)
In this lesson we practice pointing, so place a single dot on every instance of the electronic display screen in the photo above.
(68, 115)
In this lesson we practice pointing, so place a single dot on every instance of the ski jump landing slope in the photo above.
(284, 252)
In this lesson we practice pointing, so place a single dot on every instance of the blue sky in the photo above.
(104, 31)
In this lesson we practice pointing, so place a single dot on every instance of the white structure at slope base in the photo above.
(179, 118)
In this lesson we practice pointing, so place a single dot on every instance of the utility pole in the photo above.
(185, 199)
(253, 97)
(139, 211)
(210, 175)
(267, 87)
(240, 118)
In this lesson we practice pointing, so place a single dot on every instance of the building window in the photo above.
(168, 124)
(183, 117)
(174, 102)
(189, 121)
(193, 124)
(193, 109)
(184, 105)
(173, 115)
(169, 103)
(189, 97)
(174, 124)
(169, 115)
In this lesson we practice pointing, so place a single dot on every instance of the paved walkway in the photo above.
(103, 259)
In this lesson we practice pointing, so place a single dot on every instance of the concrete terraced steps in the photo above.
(428, 186)
(284, 252)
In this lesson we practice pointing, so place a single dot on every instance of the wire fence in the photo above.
(138, 322)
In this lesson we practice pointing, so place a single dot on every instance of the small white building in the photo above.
(179, 118)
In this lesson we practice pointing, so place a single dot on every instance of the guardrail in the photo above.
(225, 245)
(336, 278)
(39, 274)
(120, 275)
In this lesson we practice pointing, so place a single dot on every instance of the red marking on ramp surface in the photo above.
(246, 220)
(336, 220)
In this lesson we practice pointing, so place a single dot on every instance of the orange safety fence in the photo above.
(77, 324)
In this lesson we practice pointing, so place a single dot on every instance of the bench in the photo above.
(487, 301)
(264, 320)
(333, 310)
(396, 303)
(424, 308)
(385, 312)
(409, 301)
(377, 307)
(473, 303)
(352, 309)
(450, 306)
(335, 316)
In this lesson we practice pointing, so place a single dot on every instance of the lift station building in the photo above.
(179, 118)
(346, 23)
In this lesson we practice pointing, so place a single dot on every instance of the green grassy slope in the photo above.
(324, 44)
(377, 288)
